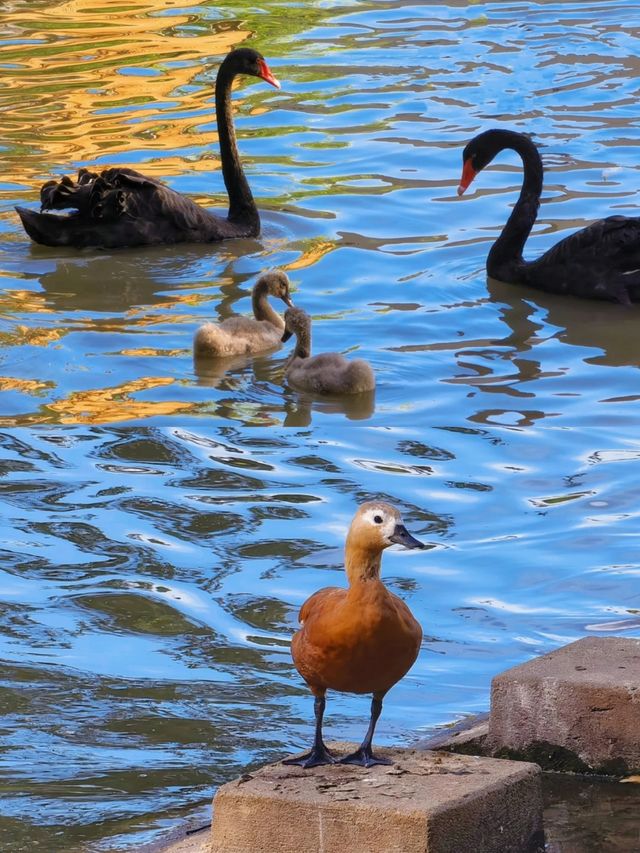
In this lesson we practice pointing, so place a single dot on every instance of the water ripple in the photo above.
(163, 521)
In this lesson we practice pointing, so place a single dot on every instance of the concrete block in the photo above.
(426, 802)
(577, 708)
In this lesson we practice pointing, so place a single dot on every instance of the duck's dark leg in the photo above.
(319, 753)
(363, 756)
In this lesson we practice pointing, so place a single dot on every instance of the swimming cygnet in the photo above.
(328, 373)
(238, 335)
(362, 639)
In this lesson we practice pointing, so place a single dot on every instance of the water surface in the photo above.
(161, 524)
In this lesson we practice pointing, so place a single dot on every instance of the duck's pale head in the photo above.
(377, 524)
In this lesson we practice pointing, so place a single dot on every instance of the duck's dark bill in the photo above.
(401, 536)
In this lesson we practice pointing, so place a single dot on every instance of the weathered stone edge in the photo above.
(470, 737)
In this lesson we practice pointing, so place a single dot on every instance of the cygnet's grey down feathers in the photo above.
(328, 373)
(239, 335)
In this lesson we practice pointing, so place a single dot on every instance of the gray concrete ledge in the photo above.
(183, 839)
(467, 737)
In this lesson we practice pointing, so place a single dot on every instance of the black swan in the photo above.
(121, 207)
(601, 261)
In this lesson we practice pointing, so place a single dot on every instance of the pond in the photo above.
(162, 522)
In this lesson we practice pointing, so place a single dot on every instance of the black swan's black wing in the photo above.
(601, 261)
(66, 193)
(120, 207)
(612, 242)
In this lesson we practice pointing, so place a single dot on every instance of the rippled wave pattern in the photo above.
(161, 523)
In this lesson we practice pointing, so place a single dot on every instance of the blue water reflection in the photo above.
(162, 522)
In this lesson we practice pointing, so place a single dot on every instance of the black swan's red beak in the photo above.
(468, 174)
(266, 74)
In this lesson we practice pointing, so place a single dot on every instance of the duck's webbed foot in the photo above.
(319, 755)
(364, 757)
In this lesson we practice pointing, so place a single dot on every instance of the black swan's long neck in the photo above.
(262, 310)
(506, 252)
(242, 207)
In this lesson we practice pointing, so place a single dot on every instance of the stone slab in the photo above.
(425, 802)
(466, 736)
(576, 708)
(182, 839)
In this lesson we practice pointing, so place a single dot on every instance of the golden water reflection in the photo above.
(31, 386)
(96, 79)
(110, 405)
(97, 406)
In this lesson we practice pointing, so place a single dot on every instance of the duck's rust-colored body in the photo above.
(357, 640)
(360, 640)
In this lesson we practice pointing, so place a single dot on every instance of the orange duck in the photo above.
(357, 640)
